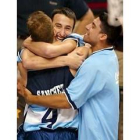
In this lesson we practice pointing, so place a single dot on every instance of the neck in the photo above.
(98, 47)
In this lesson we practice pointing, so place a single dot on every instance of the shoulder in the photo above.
(93, 63)
(76, 37)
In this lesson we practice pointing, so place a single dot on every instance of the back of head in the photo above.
(65, 11)
(112, 32)
(40, 27)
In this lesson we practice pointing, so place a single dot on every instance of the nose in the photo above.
(62, 33)
(88, 26)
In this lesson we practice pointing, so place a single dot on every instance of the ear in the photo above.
(103, 37)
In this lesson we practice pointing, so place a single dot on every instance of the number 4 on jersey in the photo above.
(52, 120)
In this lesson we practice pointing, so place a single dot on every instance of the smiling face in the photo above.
(92, 35)
(100, 34)
(63, 26)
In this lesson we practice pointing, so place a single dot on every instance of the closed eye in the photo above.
(68, 28)
(58, 25)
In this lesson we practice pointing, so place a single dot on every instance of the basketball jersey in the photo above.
(95, 91)
(49, 82)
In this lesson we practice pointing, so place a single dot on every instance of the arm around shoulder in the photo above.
(48, 50)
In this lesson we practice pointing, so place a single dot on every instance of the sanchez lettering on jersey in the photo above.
(55, 90)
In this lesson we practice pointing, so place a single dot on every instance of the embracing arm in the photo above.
(22, 74)
(32, 61)
(49, 50)
(83, 51)
(21, 78)
(51, 101)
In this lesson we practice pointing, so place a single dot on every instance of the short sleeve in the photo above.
(19, 59)
(89, 81)
(78, 38)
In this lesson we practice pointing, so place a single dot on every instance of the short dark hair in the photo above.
(40, 27)
(112, 32)
(65, 11)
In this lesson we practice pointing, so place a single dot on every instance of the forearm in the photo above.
(85, 20)
(48, 50)
(51, 101)
(23, 73)
(21, 83)
(34, 62)
(39, 63)
(39, 48)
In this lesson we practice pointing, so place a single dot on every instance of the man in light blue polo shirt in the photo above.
(94, 90)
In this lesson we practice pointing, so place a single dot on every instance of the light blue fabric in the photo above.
(95, 91)
(78, 38)
(19, 59)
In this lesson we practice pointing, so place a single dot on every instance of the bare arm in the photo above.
(49, 50)
(22, 74)
(85, 20)
(21, 78)
(32, 61)
(83, 51)
(51, 101)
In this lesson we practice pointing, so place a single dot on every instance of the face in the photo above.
(92, 35)
(63, 26)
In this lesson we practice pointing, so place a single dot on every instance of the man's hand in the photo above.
(24, 92)
(87, 45)
(20, 87)
(27, 95)
(75, 59)
(83, 51)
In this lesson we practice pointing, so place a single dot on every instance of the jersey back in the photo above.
(48, 82)
(43, 83)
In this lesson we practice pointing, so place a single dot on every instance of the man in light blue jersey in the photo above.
(94, 90)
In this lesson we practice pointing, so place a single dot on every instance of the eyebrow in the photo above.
(57, 24)
(68, 26)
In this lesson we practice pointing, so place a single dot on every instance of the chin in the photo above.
(86, 39)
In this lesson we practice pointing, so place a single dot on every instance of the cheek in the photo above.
(55, 30)
(68, 32)
(91, 38)
(87, 38)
